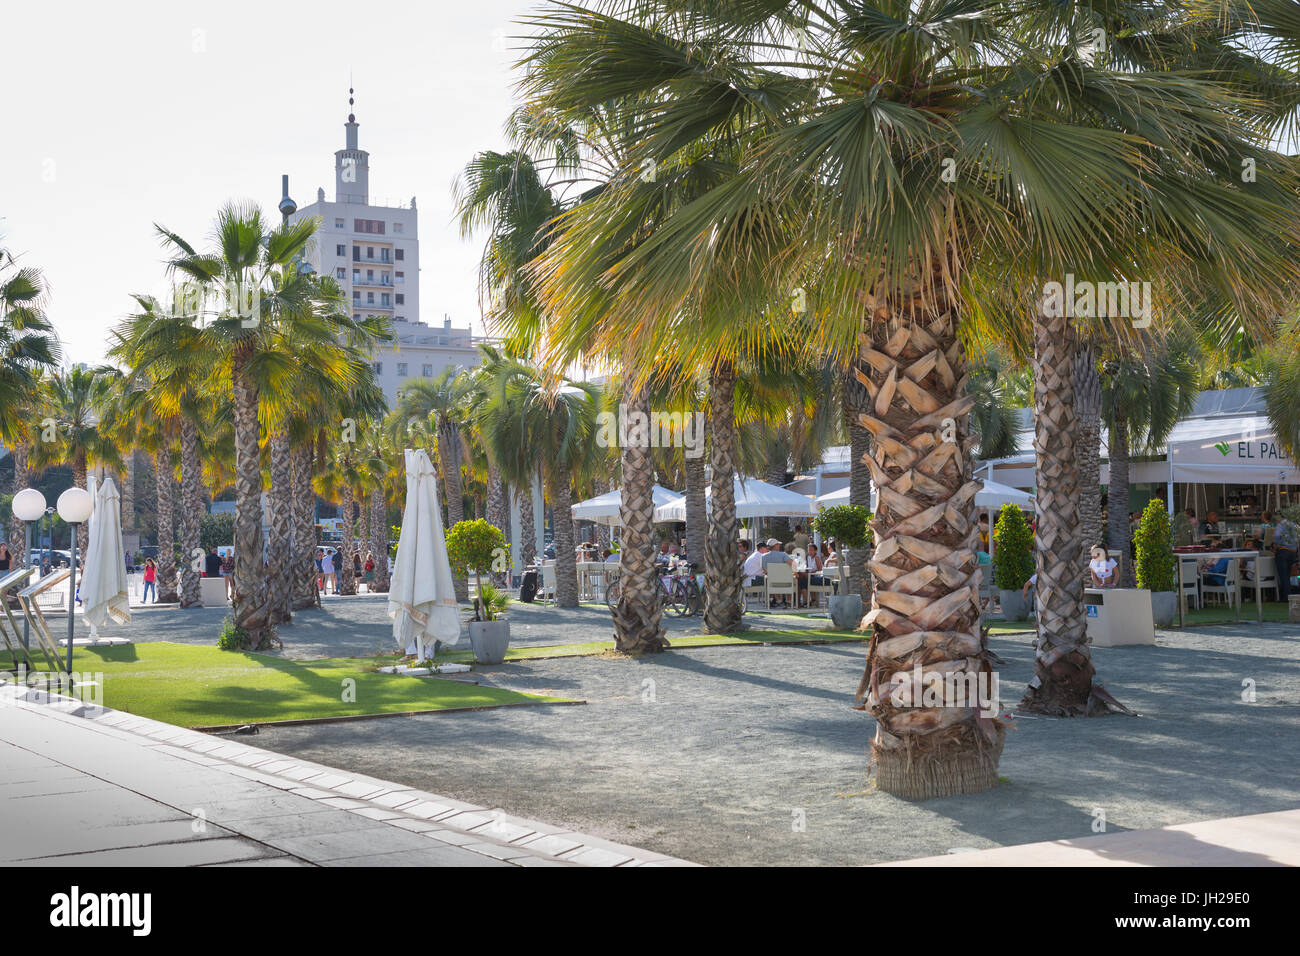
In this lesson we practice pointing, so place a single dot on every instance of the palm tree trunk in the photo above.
(79, 472)
(250, 591)
(1118, 532)
(496, 500)
(347, 580)
(281, 544)
(697, 518)
(858, 559)
(723, 587)
(191, 509)
(165, 573)
(925, 613)
(566, 565)
(17, 527)
(449, 459)
(1062, 684)
(304, 529)
(379, 537)
(527, 526)
(363, 506)
(637, 627)
(1087, 407)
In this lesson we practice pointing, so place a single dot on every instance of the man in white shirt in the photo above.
(754, 563)
(327, 572)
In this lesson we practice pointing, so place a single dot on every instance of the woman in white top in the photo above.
(1102, 569)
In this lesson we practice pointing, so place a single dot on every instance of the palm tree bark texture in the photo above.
(250, 592)
(1062, 684)
(855, 400)
(925, 614)
(379, 538)
(723, 587)
(1087, 409)
(449, 456)
(166, 510)
(638, 628)
(566, 565)
(191, 510)
(280, 546)
(344, 566)
(18, 527)
(304, 529)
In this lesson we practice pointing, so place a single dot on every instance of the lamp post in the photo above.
(28, 506)
(74, 506)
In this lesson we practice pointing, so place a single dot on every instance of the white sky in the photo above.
(120, 115)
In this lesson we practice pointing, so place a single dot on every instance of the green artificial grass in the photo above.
(201, 686)
(1273, 611)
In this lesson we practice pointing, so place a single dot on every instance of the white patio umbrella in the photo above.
(991, 495)
(754, 499)
(103, 582)
(422, 597)
(607, 508)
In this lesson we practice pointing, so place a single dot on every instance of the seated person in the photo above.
(1102, 569)
(1216, 575)
(610, 557)
(777, 556)
(1030, 585)
(1210, 526)
(753, 568)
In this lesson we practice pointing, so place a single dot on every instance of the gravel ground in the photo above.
(359, 626)
(716, 754)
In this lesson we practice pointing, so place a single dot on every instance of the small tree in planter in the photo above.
(1013, 560)
(1156, 564)
(848, 526)
(474, 546)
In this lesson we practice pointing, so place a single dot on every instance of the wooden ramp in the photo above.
(1264, 839)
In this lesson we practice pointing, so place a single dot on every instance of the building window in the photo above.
(397, 227)
(379, 368)
(338, 223)
(356, 296)
(370, 252)
(341, 272)
(356, 253)
(400, 254)
(370, 298)
(370, 275)
(399, 276)
(401, 370)
(401, 298)
(372, 226)
(383, 300)
(426, 371)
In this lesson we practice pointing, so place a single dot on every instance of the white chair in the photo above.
(1265, 575)
(986, 584)
(1228, 589)
(1190, 582)
(754, 592)
(823, 590)
(780, 582)
(548, 583)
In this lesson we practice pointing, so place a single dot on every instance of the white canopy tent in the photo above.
(754, 499)
(422, 596)
(103, 584)
(992, 495)
(607, 508)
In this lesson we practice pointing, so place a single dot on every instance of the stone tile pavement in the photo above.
(90, 786)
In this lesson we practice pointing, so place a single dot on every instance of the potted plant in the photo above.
(1013, 560)
(847, 526)
(1156, 565)
(475, 545)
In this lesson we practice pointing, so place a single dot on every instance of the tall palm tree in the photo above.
(924, 151)
(76, 400)
(27, 348)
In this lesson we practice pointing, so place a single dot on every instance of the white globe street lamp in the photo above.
(75, 506)
(28, 506)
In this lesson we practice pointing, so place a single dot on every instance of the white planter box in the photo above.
(212, 592)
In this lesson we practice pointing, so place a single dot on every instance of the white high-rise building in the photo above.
(373, 251)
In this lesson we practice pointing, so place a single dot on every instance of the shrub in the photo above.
(1155, 549)
(232, 637)
(473, 546)
(1013, 549)
(846, 524)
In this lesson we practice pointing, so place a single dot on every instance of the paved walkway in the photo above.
(90, 786)
(1266, 839)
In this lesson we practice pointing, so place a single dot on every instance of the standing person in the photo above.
(6, 559)
(327, 572)
(212, 564)
(801, 539)
(369, 578)
(150, 577)
(228, 572)
(356, 565)
(1285, 537)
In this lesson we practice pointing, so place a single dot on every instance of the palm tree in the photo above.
(924, 152)
(76, 400)
(27, 348)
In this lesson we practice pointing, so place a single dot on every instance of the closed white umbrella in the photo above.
(103, 582)
(422, 597)
(754, 499)
(607, 508)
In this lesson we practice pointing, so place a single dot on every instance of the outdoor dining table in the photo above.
(1199, 556)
